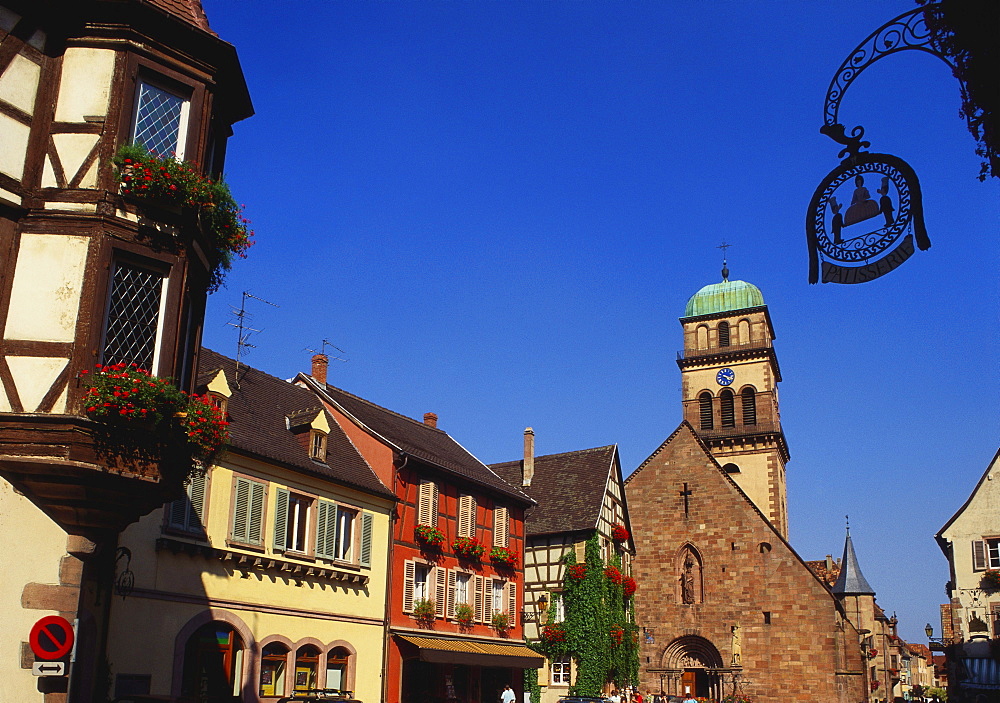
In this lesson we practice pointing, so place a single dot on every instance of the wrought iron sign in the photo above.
(867, 213)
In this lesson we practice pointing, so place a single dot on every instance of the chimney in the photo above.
(829, 563)
(431, 419)
(319, 364)
(528, 470)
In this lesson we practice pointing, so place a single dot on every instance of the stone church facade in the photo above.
(728, 606)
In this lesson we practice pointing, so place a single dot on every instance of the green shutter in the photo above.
(196, 490)
(367, 520)
(280, 519)
(254, 526)
(176, 513)
(324, 523)
(241, 509)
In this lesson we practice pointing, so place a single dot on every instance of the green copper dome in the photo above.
(723, 297)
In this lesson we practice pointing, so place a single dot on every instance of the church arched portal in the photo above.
(693, 667)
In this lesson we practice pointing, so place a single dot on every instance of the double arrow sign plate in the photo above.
(49, 669)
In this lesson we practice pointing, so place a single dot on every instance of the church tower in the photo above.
(730, 377)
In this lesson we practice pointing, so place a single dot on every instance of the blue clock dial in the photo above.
(725, 377)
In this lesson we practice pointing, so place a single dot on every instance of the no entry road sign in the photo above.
(51, 638)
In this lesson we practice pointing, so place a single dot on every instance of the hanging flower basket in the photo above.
(614, 575)
(875, 685)
(180, 184)
(464, 614)
(424, 611)
(429, 536)
(578, 572)
(468, 548)
(504, 556)
(138, 409)
(629, 586)
(872, 653)
(617, 635)
(619, 533)
(991, 579)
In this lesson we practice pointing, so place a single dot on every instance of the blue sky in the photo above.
(499, 209)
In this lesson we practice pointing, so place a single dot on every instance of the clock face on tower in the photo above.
(725, 377)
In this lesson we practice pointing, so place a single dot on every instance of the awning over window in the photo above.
(982, 673)
(444, 650)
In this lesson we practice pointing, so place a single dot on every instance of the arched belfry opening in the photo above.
(692, 666)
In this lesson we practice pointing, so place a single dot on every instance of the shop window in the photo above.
(274, 659)
(213, 663)
(306, 666)
(133, 320)
(161, 118)
(337, 662)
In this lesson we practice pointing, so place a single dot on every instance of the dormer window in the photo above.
(161, 118)
(317, 445)
(219, 402)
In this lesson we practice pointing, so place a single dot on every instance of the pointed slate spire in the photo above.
(851, 581)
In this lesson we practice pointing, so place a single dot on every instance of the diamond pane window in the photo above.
(133, 317)
(159, 118)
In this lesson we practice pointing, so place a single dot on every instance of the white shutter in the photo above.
(451, 592)
(409, 573)
(501, 522)
(480, 600)
(466, 516)
(435, 491)
(512, 601)
(440, 591)
(978, 555)
(427, 503)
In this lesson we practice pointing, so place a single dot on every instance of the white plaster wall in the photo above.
(19, 83)
(45, 298)
(13, 146)
(85, 84)
(33, 376)
(73, 149)
(33, 546)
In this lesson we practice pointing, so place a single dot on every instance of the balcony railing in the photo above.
(741, 430)
(745, 346)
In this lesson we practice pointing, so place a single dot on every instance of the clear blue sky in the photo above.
(498, 209)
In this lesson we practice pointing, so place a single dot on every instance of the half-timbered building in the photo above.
(87, 276)
(457, 554)
(579, 493)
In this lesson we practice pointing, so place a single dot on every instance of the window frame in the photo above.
(151, 78)
(562, 677)
(188, 527)
(121, 259)
(317, 445)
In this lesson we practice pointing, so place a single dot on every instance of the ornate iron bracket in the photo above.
(908, 31)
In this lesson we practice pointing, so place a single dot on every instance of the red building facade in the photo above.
(456, 577)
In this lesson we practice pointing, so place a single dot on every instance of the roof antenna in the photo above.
(847, 519)
(725, 269)
(244, 329)
(328, 343)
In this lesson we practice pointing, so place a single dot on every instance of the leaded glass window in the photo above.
(133, 324)
(160, 117)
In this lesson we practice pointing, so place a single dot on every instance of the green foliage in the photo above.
(464, 614)
(933, 692)
(531, 685)
(587, 623)
(424, 611)
(181, 184)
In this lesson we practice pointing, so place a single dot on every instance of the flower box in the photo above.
(553, 634)
(991, 579)
(629, 586)
(504, 555)
(468, 548)
(614, 575)
(619, 533)
(464, 614)
(428, 536)
(578, 572)
(500, 621)
(425, 611)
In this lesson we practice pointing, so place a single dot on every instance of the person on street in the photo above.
(508, 695)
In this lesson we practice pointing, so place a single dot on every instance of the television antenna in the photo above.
(322, 350)
(244, 330)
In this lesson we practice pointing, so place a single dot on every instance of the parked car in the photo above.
(320, 695)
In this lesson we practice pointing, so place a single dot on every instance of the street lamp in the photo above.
(929, 631)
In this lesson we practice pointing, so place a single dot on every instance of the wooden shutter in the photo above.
(409, 573)
(440, 591)
(241, 510)
(280, 519)
(501, 523)
(325, 529)
(452, 577)
(197, 491)
(367, 526)
(255, 527)
(978, 555)
(728, 404)
(466, 516)
(478, 597)
(512, 601)
(705, 410)
(749, 406)
(427, 504)
(177, 511)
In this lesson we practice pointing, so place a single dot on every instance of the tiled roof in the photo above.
(257, 411)
(569, 489)
(828, 576)
(190, 11)
(422, 442)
